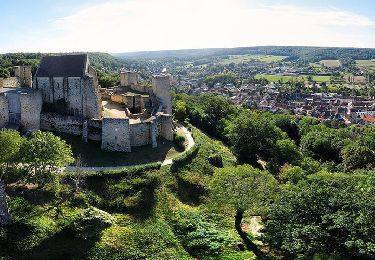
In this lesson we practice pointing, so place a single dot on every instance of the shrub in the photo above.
(91, 222)
(179, 141)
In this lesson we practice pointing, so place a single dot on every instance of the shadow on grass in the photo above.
(190, 192)
(92, 155)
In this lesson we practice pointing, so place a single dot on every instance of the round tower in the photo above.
(161, 86)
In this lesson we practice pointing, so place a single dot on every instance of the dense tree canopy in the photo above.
(326, 213)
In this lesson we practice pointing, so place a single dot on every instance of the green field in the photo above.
(330, 63)
(366, 64)
(277, 78)
(237, 59)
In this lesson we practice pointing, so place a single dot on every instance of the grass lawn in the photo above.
(366, 64)
(92, 155)
(276, 78)
(248, 57)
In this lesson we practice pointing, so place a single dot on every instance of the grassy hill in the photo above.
(142, 213)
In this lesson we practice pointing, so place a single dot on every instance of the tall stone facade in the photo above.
(115, 134)
(69, 86)
(20, 108)
(24, 74)
(161, 86)
(128, 78)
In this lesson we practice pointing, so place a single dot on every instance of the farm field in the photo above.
(330, 63)
(366, 64)
(326, 63)
(237, 59)
(286, 78)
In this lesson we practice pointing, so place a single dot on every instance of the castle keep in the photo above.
(65, 96)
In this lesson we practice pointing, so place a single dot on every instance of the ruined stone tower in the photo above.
(161, 86)
(128, 78)
(24, 75)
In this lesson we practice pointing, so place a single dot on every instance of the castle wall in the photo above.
(4, 111)
(60, 123)
(166, 126)
(128, 78)
(95, 129)
(74, 98)
(58, 89)
(118, 99)
(44, 84)
(145, 102)
(12, 82)
(116, 134)
(92, 98)
(140, 88)
(129, 101)
(138, 101)
(31, 107)
(140, 134)
(24, 74)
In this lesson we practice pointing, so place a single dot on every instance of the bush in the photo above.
(91, 222)
(179, 141)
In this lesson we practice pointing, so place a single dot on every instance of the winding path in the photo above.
(190, 145)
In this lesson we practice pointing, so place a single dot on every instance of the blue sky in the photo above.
(133, 25)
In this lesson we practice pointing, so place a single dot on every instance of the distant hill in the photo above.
(311, 54)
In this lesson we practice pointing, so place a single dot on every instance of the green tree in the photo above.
(323, 214)
(253, 135)
(10, 143)
(287, 152)
(291, 174)
(44, 153)
(180, 110)
(356, 156)
(243, 188)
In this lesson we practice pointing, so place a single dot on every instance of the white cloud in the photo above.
(131, 25)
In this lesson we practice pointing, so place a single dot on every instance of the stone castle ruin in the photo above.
(65, 97)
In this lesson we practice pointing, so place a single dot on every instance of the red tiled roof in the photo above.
(369, 119)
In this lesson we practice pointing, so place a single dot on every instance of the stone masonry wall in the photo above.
(162, 89)
(31, 107)
(128, 78)
(116, 134)
(141, 88)
(12, 82)
(60, 123)
(140, 134)
(166, 126)
(4, 111)
(92, 98)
